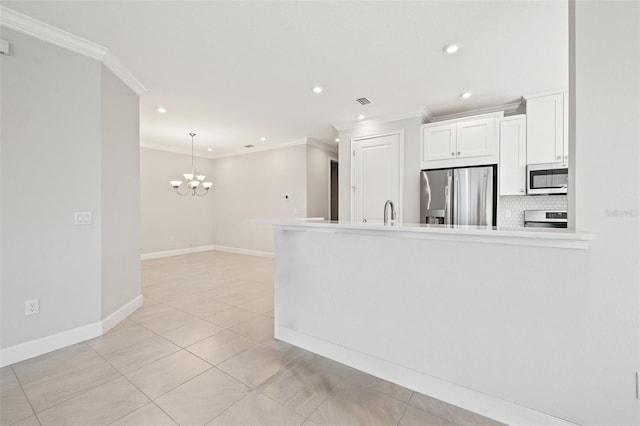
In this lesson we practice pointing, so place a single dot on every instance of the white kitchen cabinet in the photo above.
(547, 131)
(460, 142)
(438, 142)
(512, 173)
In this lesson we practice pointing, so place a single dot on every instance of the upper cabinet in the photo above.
(461, 142)
(547, 128)
(513, 155)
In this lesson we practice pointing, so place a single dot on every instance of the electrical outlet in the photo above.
(31, 307)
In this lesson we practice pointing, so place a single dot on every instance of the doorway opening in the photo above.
(333, 189)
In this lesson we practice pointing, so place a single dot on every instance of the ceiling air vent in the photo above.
(249, 146)
(363, 101)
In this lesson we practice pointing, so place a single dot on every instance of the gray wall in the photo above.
(410, 211)
(120, 194)
(245, 187)
(318, 181)
(606, 91)
(168, 221)
(51, 166)
(254, 186)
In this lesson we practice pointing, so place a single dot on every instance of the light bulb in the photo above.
(188, 176)
(194, 184)
(451, 48)
(200, 177)
(175, 183)
(207, 185)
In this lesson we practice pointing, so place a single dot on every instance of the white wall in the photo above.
(65, 146)
(410, 211)
(168, 221)
(254, 186)
(120, 194)
(50, 168)
(605, 146)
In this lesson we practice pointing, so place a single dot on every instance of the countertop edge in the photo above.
(512, 236)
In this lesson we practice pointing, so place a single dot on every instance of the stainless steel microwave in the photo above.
(546, 179)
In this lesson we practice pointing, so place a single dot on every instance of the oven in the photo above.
(545, 218)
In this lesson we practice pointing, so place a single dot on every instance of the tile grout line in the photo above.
(26, 397)
(134, 385)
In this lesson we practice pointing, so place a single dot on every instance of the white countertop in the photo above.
(550, 237)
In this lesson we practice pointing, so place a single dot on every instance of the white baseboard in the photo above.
(177, 252)
(43, 345)
(243, 251)
(121, 313)
(478, 402)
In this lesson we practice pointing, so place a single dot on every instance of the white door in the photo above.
(376, 176)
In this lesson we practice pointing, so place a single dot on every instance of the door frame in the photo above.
(355, 139)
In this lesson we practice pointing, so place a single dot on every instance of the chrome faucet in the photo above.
(393, 212)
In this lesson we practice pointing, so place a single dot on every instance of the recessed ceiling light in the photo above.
(336, 140)
(316, 89)
(263, 139)
(161, 110)
(465, 95)
(360, 116)
(452, 48)
(209, 149)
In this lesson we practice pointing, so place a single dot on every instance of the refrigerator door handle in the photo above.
(447, 199)
(456, 203)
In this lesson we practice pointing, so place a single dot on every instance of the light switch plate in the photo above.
(82, 218)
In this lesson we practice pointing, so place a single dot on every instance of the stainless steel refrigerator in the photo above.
(460, 196)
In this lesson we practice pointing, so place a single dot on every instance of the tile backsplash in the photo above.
(517, 204)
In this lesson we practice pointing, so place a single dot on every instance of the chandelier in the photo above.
(194, 182)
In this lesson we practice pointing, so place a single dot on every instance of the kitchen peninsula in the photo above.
(465, 314)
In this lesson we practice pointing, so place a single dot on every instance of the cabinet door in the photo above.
(545, 129)
(438, 142)
(565, 123)
(476, 138)
(376, 176)
(513, 156)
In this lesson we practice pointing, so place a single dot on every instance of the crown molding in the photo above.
(421, 113)
(323, 145)
(509, 108)
(17, 21)
(110, 61)
(243, 151)
(174, 150)
(553, 92)
(247, 151)
(24, 24)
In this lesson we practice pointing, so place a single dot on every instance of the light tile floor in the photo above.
(201, 351)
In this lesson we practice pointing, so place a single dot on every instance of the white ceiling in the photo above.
(235, 71)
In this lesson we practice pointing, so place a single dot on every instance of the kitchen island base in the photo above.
(478, 325)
